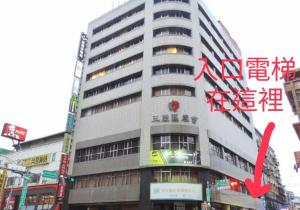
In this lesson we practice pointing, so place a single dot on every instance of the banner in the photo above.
(166, 157)
(63, 168)
(67, 143)
(36, 160)
(175, 191)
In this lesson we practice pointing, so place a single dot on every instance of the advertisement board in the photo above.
(14, 132)
(36, 160)
(175, 191)
(63, 169)
(167, 157)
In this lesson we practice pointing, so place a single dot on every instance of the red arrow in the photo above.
(255, 188)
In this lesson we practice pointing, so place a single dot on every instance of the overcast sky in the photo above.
(39, 41)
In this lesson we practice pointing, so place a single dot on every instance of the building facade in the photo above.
(292, 90)
(276, 198)
(38, 156)
(145, 137)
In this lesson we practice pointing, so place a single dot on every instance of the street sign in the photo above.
(24, 192)
(222, 184)
(49, 174)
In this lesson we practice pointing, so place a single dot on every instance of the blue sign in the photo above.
(70, 122)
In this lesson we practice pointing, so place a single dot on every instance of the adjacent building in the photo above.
(145, 137)
(42, 158)
(276, 198)
(292, 90)
(296, 203)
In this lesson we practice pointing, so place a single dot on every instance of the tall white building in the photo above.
(144, 136)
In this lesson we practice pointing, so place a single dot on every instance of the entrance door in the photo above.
(179, 206)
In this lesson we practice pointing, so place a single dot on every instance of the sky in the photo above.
(39, 42)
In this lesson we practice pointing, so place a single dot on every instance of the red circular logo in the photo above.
(174, 105)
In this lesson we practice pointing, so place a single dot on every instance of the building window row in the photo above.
(230, 117)
(120, 178)
(172, 31)
(117, 34)
(112, 104)
(203, 26)
(117, 49)
(165, 1)
(175, 49)
(114, 84)
(115, 67)
(172, 14)
(175, 175)
(173, 91)
(119, 19)
(224, 153)
(173, 69)
(174, 142)
(111, 150)
(213, 84)
(207, 45)
(216, 30)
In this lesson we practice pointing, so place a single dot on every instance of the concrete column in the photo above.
(145, 202)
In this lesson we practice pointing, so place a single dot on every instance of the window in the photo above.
(173, 69)
(176, 49)
(114, 67)
(108, 179)
(164, 1)
(119, 19)
(243, 164)
(172, 14)
(216, 149)
(230, 156)
(117, 49)
(53, 157)
(174, 142)
(172, 31)
(117, 34)
(111, 104)
(175, 175)
(173, 91)
(111, 150)
(113, 85)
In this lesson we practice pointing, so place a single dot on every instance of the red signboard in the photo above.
(61, 191)
(63, 169)
(14, 132)
(297, 157)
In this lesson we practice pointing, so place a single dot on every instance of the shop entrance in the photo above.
(176, 206)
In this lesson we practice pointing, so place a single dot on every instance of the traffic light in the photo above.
(234, 184)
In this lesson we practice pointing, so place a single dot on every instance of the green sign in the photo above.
(222, 183)
(50, 174)
(24, 192)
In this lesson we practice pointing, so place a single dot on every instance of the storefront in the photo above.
(41, 197)
(176, 196)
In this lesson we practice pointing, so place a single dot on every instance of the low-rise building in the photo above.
(276, 198)
(42, 158)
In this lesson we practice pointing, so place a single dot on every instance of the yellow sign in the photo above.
(67, 143)
(156, 158)
(3, 176)
(36, 161)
